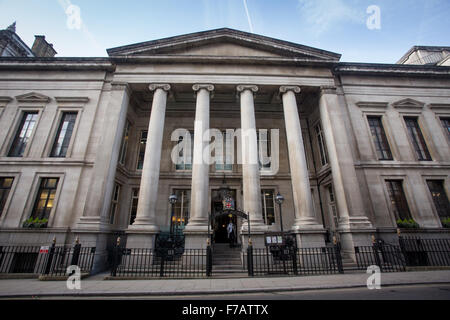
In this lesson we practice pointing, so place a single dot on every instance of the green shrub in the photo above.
(35, 223)
(446, 222)
(407, 224)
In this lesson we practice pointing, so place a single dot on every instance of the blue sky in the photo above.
(335, 25)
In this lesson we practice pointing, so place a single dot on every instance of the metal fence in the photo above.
(52, 260)
(387, 257)
(21, 259)
(293, 261)
(59, 258)
(143, 263)
(411, 252)
(425, 252)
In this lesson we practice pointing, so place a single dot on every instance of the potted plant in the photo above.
(407, 224)
(446, 222)
(35, 223)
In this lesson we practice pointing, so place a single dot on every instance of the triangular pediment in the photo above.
(408, 104)
(224, 43)
(33, 97)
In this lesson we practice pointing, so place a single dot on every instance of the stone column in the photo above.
(148, 193)
(96, 210)
(93, 227)
(250, 165)
(197, 229)
(305, 220)
(354, 226)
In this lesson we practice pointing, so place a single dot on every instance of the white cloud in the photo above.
(322, 15)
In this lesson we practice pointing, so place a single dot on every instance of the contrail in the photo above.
(248, 16)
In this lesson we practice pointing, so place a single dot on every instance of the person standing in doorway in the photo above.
(230, 230)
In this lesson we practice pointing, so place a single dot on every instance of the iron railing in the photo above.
(293, 261)
(52, 260)
(143, 263)
(388, 258)
(425, 252)
(59, 258)
(21, 259)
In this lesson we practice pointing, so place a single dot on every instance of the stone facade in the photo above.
(328, 170)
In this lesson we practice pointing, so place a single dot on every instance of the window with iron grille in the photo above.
(181, 207)
(397, 197)
(379, 138)
(440, 198)
(321, 145)
(45, 199)
(446, 124)
(5, 188)
(141, 150)
(23, 134)
(134, 204)
(114, 203)
(268, 206)
(64, 134)
(417, 139)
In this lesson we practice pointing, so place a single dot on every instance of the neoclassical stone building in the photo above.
(87, 144)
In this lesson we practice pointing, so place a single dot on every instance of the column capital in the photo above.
(154, 86)
(196, 87)
(295, 89)
(328, 90)
(243, 87)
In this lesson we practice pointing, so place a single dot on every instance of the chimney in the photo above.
(41, 48)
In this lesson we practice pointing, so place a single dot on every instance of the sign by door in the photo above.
(44, 249)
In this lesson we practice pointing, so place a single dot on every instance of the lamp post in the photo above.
(172, 200)
(279, 199)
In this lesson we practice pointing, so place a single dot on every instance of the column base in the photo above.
(150, 228)
(196, 240)
(355, 238)
(142, 239)
(257, 240)
(310, 238)
(358, 222)
(94, 223)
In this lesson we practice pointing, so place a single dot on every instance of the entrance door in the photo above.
(220, 223)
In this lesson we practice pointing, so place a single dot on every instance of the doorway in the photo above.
(220, 223)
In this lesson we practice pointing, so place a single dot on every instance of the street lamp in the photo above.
(279, 199)
(172, 200)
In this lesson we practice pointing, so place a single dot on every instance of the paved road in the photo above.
(409, 292)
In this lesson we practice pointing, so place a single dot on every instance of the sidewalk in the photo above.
(96, 286)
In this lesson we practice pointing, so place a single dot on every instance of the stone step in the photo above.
(227, 262)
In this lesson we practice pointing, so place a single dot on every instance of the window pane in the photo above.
(134, 204)
(268, 206)
(321, 145)
(124, 146)
(182, 207)
(23, 134)
(398, 199)
(379, 138)
(142, 145)
(446, 124)
(64, 134)
(417, 139)
(5, 188)
(440, 198)
(45, 198)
